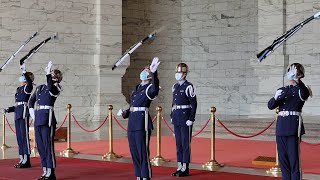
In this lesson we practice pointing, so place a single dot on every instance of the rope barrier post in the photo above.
(275, 170)
(110, 155)
(159, 160)
(69, 151)
(212, 164)
(4, 146)
(34, 149)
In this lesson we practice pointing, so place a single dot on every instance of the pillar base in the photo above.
(212, 165)
(69, 152)
(158, 161)
(4, 146)
(111, 156)
(275, 171)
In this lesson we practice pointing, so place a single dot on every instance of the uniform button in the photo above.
(39, 99)
(284, 103)
(175, 99)
(176, 94)
(292, 95)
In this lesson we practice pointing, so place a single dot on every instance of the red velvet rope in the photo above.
(194, 135)
(205, 125)
(14, 132)
(311, 144)
(64, 120)
(242, 136)
(166, 123)
(119, 124)
(123, 128)
(86, 130)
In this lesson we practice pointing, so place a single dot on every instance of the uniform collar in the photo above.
(181, 82)
(144, 83)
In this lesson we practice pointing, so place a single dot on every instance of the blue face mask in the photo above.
(178, 76)
(144, 75)
(22, 79)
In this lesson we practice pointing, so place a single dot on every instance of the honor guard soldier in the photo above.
(290, 100)
(140, 123)
(41, 106)
(184, 107)
(21, 116)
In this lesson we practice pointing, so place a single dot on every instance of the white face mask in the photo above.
(178, 76)
(144, 75)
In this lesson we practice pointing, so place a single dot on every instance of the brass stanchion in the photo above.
(34, 149)
(159, 160)
(69, 151)
(275, 170)
(4, 146)
(110, 155)
(212, 164)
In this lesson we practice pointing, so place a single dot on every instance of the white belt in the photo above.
(19, 103)
(134, 109)
(44, 107)
(175, 107)
(289, 113)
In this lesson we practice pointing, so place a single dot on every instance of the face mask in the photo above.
(178, 76)
(22, 79)
(144, 75)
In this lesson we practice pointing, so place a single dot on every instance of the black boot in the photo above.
(185, 172)
(25, 165)
(17, 165)
(52, 176)
(176, 173)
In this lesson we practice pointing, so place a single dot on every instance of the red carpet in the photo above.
(231, 152)
(80, 169)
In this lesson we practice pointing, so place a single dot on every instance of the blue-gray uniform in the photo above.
(21, 115)
(184, 107)
(42, 101)
(290, 104)
(140, 125)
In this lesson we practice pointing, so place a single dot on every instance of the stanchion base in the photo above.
(34, 151)
(4, 146)
(158, 161)
(212, 165)
(68, 152)
(111, 156)
(275, 171)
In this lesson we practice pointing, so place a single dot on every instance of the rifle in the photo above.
(276, 43)
(15, 53)
(36, 49)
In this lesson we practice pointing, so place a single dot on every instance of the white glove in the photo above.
(189, 123)
(293, 72)
(23, 68)
(31, 112)
(120, 112)
(278, 93)
(154, 65)
(48, 68)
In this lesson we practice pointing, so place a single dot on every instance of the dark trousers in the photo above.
(45, 142)
(288, 152)
(139, 149)
(183, 140)
(22, 134)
